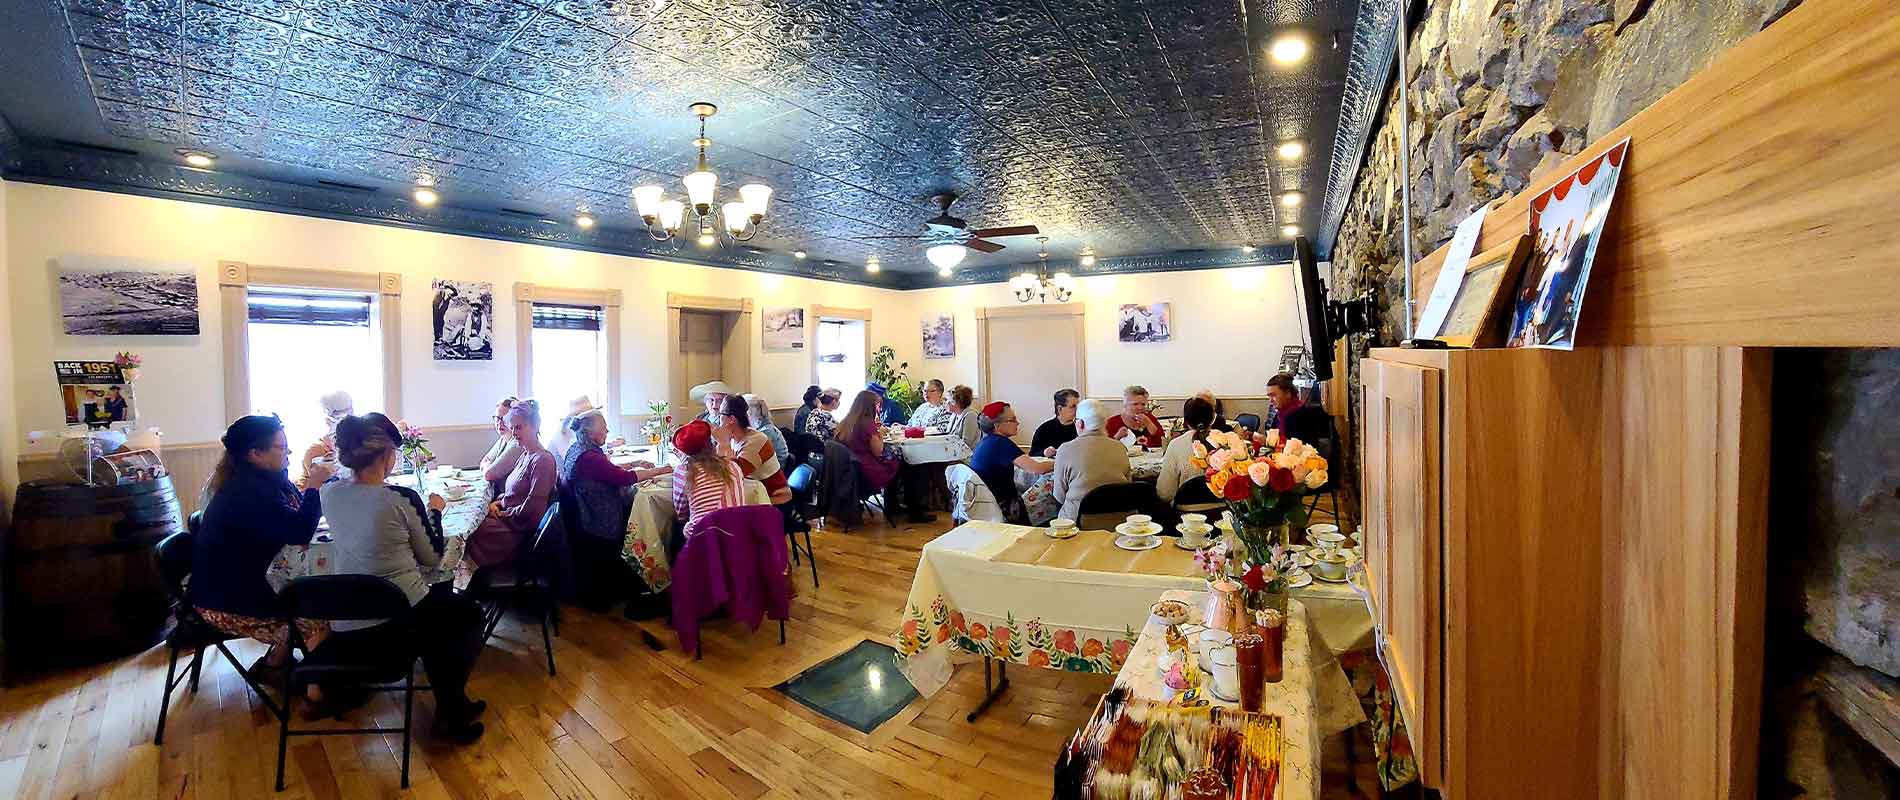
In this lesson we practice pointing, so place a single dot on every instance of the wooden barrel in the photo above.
(81, 582)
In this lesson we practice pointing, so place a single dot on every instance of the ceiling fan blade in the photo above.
(1013, 230)
(982, 246)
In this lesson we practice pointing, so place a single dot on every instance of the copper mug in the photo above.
(1225, 609)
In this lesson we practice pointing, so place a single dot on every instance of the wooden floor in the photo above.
(620, 720)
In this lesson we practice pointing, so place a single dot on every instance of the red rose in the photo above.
(1281, 480)
(1255, 579)
(1038, 659)
(1001, 635)
(1239, 489)
(1120, 650)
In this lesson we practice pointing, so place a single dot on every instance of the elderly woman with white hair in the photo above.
(336, 406)
(1090, 460)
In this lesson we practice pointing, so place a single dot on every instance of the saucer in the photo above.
(1138, 530)
(1061, 533)
(1137, 543)
(1298, 578)
(1182, 543)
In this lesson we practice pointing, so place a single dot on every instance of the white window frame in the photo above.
(234, 281)
(608, 300)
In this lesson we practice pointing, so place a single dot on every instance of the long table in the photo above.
(459, 519)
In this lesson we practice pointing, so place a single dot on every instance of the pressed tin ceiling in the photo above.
(1143, 130)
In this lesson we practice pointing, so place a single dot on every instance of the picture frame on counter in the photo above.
(1477, 315)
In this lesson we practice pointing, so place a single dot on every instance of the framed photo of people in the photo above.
(464, 320)
(1567, 222)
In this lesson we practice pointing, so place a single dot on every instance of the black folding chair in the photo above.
(500, 586)
(1104, 506)
(1195, 498)
(1326, 448)
(385, 668)
(190, 631)
(807, 448)
(802, 480)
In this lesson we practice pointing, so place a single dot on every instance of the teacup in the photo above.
(1061, 527)
(1139, 519)
(1331, 565)
(1194, 519)
(454, 491)
(1223, 663)
(1323, 527)
(1326, 541)
(1193, 534)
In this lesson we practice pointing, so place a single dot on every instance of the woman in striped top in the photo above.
(738, 440)
(706, 482)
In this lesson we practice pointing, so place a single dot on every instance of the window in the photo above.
(569, 357)
(306, 343)
(840, 354)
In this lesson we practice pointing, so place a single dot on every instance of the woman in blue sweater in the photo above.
(254, 511)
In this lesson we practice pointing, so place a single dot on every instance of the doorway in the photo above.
(1025, 354)
(712, 341)
(703, 337)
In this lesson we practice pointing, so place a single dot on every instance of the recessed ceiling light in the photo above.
(798, 254)
(943, 272)
(1289, 231)
(425, 195)
(198, 158)
(584, 221)
(1292, 199)
(1088, 257)
(1291, 149)
(706, 239)
(1289, 50)
(1246, 248)
(872, 266)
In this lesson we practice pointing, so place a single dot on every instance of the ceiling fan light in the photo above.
(736, 215)
(1288, 50)
(671, 213)
(699, 189)
(756, 196)
(946, 256)
(944, 272)
(646, 199)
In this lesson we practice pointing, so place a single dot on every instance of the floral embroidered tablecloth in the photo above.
(459, 519)
(651, 520)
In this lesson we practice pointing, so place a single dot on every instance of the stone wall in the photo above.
(1500, 93)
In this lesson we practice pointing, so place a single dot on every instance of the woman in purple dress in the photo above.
(524, 495)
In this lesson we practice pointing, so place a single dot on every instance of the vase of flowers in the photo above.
(1264, 481)
(658, 428)
(414, 447)
(128, 365)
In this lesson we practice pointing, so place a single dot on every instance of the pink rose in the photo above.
(1120, 649)
(1000, 635)
(1258, 471)
(1219, 459)
(1065, 641)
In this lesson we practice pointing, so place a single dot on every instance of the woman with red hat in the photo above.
(706, 482)
(860, 432)
(997, 457)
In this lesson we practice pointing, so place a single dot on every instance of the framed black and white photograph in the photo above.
(464, 319)
(1145, 323)
(940, 336)
(128, 302)
(784, 330)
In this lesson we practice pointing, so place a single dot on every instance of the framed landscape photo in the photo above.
(782, 330)
(1477, 312)
(128, 302)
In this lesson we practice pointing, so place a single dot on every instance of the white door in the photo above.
(1028, 358)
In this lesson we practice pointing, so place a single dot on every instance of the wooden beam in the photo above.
(1756, 205)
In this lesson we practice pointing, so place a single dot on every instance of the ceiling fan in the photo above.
(949, 238)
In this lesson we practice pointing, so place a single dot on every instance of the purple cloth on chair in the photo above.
(737, 558)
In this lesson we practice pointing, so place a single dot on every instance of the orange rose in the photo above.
(978, 632)
(1091, 648)
(1038, 659)
(910, 630)
(943, 633)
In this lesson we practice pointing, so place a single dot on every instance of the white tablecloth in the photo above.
(1313, 698)
(651, 520)
(459, 519)
(936, 449)
(1054, 618)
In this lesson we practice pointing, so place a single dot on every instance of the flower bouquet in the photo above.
(414, 447)
(1264, 481)
(658, 428)
(128, 365)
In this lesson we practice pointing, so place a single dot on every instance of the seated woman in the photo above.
(805, 409)
(997, 458)
(761, 420)
(336, 405)
(962, 419)
(386, 531)
(501, 455)
(861, 432)
(935, 410)
(735, 439)
(1220, 418)
(252, 513)
(599, 491)
(820, 423)
(1058, 430)
(706, 482)
(1176, 469)
(525, 493)
(1090, 460)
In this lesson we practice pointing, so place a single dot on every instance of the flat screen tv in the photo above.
(1311, 299)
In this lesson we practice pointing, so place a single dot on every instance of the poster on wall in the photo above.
(128, 302)
(464, 320)
(94, 393)
(1145, 323)
(1566, 225)
(784, 330)
(940, 336)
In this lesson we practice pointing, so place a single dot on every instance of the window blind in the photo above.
(308, 307)
(559, 316)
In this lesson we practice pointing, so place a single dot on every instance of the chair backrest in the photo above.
(801, 479)
(1194, 494)
(1249, 421)
(1131, 496)
(971, 498)
(195, 521)
(551, 520)
(174, 556)
(804, 446)
(343, 597)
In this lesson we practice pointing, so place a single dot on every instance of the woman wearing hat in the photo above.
(997, 457)
(706, 482)
(713, 394)
(524, 495)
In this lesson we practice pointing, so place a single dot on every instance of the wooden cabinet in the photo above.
(1558, 552)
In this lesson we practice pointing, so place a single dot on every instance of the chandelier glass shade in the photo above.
(738, 220)
(946, 256)
(1038, 285)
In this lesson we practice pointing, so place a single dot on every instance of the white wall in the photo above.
(1229, 326)
(180, 389)
(9, 434)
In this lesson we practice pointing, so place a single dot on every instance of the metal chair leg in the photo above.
(547, 642)
(195, 665)
(781, 632)
(165, 705)
(408, 715)
(812, 556)
(283, 729)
